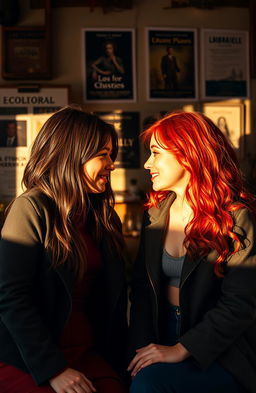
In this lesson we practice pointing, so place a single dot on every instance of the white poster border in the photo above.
(147, 68)
(84, 64)
(204, 57)
(234, 115)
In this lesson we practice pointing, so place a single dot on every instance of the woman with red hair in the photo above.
(193, 298)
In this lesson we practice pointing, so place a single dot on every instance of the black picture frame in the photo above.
(26, 53)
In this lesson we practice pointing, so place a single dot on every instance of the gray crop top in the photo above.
(172, 267)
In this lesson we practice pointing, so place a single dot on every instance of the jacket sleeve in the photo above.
(141, 331)
(235, 309)
(21, 249)
(118, 328)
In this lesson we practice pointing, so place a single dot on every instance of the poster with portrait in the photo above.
(224, 64)
(15, 139)
(108, 65)
(171, 64)
(229, 118)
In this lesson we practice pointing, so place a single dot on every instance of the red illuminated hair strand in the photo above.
(216, 187)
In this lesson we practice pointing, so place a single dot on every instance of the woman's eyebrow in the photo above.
(106, 148)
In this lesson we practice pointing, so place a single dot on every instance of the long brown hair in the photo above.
(68, 139)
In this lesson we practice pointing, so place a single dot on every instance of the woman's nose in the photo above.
(111, 165)
(148, 164)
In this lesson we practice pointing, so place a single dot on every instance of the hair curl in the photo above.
(215, 188)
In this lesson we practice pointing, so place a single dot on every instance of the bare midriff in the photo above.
(173, 295)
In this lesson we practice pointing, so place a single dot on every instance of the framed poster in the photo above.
(15, 139)
(171, 61)
(25, 53)
(224, 64)
(108, 65)
(127, 126)
(229, 118)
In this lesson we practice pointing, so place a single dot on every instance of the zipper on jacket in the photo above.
(155, 295)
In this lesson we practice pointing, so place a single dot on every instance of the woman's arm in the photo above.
(118, 64)
(222, 325)
(95, 66)
(235, 309)
(155, 353)
(21, 250)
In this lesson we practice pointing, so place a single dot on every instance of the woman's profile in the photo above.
(193, 295)
(62, 281)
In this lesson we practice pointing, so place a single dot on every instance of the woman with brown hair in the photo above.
(62, 281)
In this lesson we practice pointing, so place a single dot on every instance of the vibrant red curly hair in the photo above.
(216, 185)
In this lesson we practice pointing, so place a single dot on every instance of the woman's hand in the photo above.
(154, 353)
(71, 381)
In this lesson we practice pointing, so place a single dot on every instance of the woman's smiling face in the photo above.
(97, 170)
(166, 172)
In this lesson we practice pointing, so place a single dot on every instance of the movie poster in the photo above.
(229, 118)
(108, 67)
(171, 64)
(224, 64)
(127, 126)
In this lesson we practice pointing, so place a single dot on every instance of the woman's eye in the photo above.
(104, 154)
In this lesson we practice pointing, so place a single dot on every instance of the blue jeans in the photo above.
(171, 328)
(182, 377)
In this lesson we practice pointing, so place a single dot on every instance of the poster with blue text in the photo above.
(171, 64)
(224, 64)
(109, 65)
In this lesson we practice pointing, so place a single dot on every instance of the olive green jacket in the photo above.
(35, 299)
(218, 315)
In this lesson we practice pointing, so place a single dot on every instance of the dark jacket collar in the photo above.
(161, 212)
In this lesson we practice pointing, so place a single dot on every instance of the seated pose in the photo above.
(193, 297)
(62, 288)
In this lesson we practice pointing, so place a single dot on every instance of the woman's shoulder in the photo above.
(32, 203)
(34, 198)
(245, 229)
(161, 209)
(244, 218)
(27, 218)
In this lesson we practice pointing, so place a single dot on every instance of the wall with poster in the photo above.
(225, 64)
(68, 61)
(22, 113)
(171, 64)
(109, 65)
